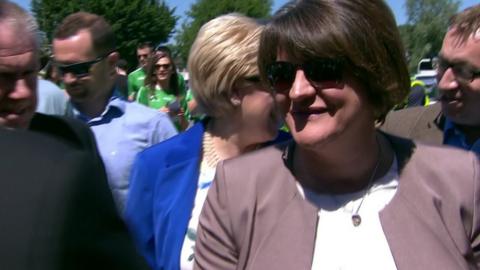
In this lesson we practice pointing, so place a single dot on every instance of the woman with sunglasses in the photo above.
(341, 195)
(164, 88)
(170, 181)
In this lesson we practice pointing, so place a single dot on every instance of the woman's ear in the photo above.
(236, 98)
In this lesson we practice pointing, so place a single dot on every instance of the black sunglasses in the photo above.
(79, 69)
(164, 66)
(318, 72)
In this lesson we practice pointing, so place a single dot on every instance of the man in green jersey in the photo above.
(137, 77)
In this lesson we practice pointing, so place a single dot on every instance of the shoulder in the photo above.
(446, 170)
(66, 129)
(143, 114)
(263, 169)
(415, 123)
(136, 73)
(179, 147)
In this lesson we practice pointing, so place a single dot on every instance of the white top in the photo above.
(204, 182)
(341, 245)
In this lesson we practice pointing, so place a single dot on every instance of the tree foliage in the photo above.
(426, 26)
(133, 21)
(203, 11)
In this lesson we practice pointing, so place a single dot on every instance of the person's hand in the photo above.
(165, 110)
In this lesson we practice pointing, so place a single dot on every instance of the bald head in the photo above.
(22, 26)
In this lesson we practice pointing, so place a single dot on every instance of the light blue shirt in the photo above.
(455, 137)
(51, 99)
(123, 130)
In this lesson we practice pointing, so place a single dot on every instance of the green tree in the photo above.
(204, 10)
(133, 21)
(427, 24)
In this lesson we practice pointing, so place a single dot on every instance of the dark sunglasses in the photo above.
(463, 73)
(281, 75)
(164, 66)
(79, 69)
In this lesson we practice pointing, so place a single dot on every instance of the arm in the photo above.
(475, 237)
(215, 247)
(131, 88)
(95, 236)
(161, 128)
(142, 96)
(139, 209)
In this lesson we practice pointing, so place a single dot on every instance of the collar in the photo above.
(455, 137)
(115, 106)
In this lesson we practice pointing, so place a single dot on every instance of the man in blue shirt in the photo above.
(84, 54)
(455, 120)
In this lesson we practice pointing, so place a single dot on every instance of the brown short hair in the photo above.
(362, 32)
(466, 23)
(102, 33)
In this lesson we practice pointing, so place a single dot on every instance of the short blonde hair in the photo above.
(225, 50)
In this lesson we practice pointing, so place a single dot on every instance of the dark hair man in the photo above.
(456, 119)
(137, 77)
(85, 56)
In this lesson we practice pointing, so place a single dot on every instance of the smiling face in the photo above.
(460, 99)
(320, 114)
(164, 69)
(18, 77)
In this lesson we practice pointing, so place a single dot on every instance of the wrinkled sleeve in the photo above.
(162, 128)
(215, 247)
(139, 209)
(475, 238)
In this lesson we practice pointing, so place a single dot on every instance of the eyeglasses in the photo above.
(164, 66)
(79, 69)
(463, 73)
(281, 75)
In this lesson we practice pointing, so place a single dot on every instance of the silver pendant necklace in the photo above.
(356, 218)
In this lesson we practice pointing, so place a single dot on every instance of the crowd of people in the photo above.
(286, 150)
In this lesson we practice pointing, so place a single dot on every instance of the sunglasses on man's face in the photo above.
(319, 72)
(79, 69)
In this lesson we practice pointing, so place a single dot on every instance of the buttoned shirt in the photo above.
(123, 130)
(455, 137)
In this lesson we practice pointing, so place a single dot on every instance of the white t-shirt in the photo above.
(204, 182)
(341, 245)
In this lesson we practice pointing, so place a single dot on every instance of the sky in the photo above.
(182, 6)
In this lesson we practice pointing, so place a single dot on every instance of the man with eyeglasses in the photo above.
(136, 78)
(84, 54)
(455, 120)
(57, 210)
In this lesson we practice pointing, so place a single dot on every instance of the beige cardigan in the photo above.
(255, 218)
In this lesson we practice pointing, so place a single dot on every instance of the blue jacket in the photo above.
(162, 193)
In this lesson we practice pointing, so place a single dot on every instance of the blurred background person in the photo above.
(170, 180)
(136, 78)
(318, 201)
(455, 119)
(164, 89)
(51, 99)
(121, 81)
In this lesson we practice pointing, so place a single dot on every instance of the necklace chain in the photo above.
(356, 218)
(210, 154)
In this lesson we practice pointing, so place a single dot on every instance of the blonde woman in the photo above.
(170, 180)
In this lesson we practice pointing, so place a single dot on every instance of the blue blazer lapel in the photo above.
(175, 193)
